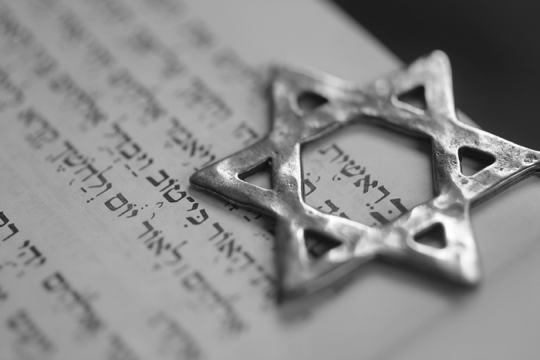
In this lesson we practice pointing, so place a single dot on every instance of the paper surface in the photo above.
(109, 106)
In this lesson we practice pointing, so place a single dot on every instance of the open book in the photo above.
(108, 106)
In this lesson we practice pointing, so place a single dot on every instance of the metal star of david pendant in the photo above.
(344, 103)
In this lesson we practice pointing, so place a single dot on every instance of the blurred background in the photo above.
(494, 47)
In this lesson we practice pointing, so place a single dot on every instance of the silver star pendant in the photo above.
(339, 103)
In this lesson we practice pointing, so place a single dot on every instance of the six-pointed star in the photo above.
(341, 103)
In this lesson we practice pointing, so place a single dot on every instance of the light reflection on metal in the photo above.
(338, 103)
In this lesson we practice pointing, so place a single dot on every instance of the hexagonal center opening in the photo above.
(367, 173)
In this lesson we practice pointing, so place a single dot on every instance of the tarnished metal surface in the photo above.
(294, 124)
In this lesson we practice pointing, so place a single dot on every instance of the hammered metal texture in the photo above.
(301, 274)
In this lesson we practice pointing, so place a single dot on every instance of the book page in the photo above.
(107, 108)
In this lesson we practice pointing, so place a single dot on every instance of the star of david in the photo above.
(339, 103)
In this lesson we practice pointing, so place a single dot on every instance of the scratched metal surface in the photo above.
(342, 103)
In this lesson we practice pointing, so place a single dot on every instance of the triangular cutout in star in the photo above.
(415, 97)
(314, 259)
(309, 101)
(318, 244)
(260, 175)
(223, 178)
(472, 160)
(434, 236)
(446, 248)
(423, 86)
